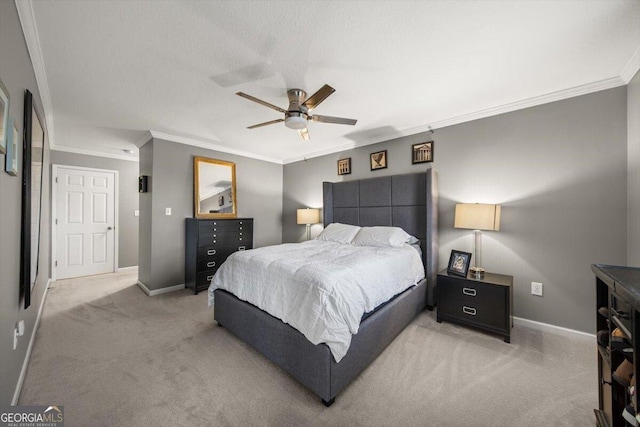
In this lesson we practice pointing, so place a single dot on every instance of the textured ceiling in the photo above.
(117, 69)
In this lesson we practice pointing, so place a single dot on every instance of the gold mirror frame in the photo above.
(201, 163)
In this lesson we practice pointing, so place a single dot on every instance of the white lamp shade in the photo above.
(477, 216)
(308, 216)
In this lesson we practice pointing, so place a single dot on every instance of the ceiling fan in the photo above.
(299, 110)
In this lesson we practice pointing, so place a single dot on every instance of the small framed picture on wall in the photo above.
(378, 160)
(344, 166)
(422, 153)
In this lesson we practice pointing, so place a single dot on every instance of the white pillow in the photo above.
(340, 233)
(383, 236)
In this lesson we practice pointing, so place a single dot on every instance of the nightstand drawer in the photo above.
(470, 293)
(480, 314)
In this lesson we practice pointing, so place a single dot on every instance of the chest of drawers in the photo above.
(208, 244)
(483, 303)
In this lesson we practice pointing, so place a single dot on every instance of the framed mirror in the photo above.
(214, 188)
(32, 156)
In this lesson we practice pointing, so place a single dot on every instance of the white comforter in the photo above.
(320, 288)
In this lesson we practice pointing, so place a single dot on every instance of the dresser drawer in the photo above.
(203, 280)
(470, 293)
(479, 314)
(207, 226)
(225, 238)
(220, 251)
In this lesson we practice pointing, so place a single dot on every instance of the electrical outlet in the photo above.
(136, 213)
(536, 288)
(167, 211)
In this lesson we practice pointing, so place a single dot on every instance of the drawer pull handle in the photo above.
(211, 252)
(468, 310)
(241, 248)
(214, 241)
(209, 278)
(240, 228)
(240, 222)
(469, 291)
(241, 234)
(211, 264)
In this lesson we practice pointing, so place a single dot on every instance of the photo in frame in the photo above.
(422, 153)
(378, 160)
(459, 263)
(11, 159)
(4, 118)
(344, 166)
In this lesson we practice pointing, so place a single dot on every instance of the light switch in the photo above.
(136, 213)
(167, 211)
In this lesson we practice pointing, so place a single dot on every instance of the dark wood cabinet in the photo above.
(618, 315)
(482, 303)
(208, 244)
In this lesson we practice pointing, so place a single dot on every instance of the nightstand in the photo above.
(485, 303)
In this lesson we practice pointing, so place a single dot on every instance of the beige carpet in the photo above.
(116, 357)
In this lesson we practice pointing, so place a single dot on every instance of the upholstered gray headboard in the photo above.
(407, 201)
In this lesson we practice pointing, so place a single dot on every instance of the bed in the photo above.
(406, 201)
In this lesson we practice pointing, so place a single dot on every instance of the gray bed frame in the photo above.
(408, 201)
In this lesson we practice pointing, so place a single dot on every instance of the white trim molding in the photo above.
(493, 111)
(632, 67)
(30, 31)
(211, 145)
(74, 150)
(160, 291)
(27, 357)
(546, 327)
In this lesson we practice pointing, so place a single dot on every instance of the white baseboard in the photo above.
(551, 328)
(155, 292)
(133, 267)
(27, 357)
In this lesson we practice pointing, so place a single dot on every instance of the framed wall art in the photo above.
(344, 166)
(422, 153)
(4, 118)
(459, 263)
(11, 159)
(378, 160)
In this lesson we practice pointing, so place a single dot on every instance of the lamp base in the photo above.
(477, 272)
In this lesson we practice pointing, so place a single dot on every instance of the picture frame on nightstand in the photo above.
(459, 262)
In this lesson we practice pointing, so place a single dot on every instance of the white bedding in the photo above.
(320, 288)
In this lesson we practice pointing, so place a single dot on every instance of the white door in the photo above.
(84, 221)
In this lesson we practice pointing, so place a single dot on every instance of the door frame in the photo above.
(54, 196)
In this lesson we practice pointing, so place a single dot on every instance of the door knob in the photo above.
(109, 228)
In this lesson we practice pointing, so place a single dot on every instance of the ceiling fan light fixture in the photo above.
(295, 122)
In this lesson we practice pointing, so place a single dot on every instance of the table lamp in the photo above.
(308, 216)
(477, 217)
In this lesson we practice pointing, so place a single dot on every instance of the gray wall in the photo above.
(558, 170)
(16, 72)
(127, 200)
(170, 167)
(633, 170)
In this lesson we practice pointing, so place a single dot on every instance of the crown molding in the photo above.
(632, 67)
(32, 39)
(211, 146)
(493, 111)
(143, 139)
(85, 152)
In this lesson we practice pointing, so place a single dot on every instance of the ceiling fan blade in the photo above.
(304, 133)
(337, 120)
(314, 100)
(260, 101)
(265, 123)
